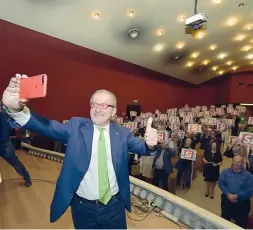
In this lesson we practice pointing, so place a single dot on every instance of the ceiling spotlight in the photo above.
(205, 62)
(189, 64)
(221, 72)
(241, 4)
(181, 18)
(158, 47)
(134, 33)
(229, 62)
(234, 68)
(195, 55)
(200, 35)
(177, 56)
(131, 13)
(159, 32)
(96, 16)
(213, 47)
(216, 1)
(246, 48)
(250, 56)
(222, 55)
(214, 68)
(240, 37)
(248, 27)
(180, 45)
(231, 21)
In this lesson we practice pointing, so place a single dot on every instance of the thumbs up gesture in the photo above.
(151, 135)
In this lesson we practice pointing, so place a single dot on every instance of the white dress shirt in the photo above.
(88, 187)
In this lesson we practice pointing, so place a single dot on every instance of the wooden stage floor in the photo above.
(26, 208)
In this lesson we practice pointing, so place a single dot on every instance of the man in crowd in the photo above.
(236, 184)
(94, 178)
(7, 150)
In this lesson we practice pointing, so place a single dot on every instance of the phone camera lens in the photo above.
(43, 80)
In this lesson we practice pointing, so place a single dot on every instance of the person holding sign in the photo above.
(212, 162)
(94, 178)
(162, 165)
(184, 166)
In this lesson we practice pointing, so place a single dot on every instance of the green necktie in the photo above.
(103, 180)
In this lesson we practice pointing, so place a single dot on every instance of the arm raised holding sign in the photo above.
(151, 136)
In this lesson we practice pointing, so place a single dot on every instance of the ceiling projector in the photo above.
(196, 21)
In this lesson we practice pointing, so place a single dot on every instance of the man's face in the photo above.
(101, 114)
(237, 163)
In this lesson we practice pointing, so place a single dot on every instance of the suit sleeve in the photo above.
(38, 124)
(135, 145)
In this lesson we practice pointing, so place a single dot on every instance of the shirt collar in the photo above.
(107, 127)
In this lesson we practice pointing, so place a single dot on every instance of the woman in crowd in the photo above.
(173, 142)
(212, 162)
(250, 159)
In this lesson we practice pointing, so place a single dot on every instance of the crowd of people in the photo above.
(215, 144)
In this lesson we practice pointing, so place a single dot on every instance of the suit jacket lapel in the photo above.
(87, 131)
(115, 138)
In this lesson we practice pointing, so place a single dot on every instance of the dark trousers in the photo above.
(238, 211)
(185, 171)
(90, 215)
(7, 151)
(160, 175)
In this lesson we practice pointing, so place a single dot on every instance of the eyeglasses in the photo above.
(101, 106)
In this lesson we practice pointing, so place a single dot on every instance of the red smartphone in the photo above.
(33, 87)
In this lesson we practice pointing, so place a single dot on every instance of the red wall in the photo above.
(75, 73)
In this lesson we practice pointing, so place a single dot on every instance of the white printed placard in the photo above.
(65, 121)
(211, 121)
(232, 139)
(235, 112)
(133, 113)
(188, 154)
(162, 117)
(188, 119)
(131, 125)
(246, 138)
(230, 110)
(194, 128)
(162, 135)
(223, 106)
(250, 121)
(204, 108)
(229, 121)
(212, 106)
(221, 127)
(175, 126)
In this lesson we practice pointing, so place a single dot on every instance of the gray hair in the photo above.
(107, 92)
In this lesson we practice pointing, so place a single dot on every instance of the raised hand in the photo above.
(11, 94)
(151, 136)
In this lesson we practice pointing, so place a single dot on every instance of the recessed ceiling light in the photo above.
(200, 35)
(180, 45)
(248, 27)
(159, 32)
(222, 55)
(246, 48)
(189, 64)
(240, 37)
(181, 18)
(250, 56)
(231, 21)
(216, 1)
(213, 47)
(229, 62)
(234, 68)
(96, 16)
(241, 4)
(134, 33)
(221, 72)
(158, 47)
(131, 13)
(214, 68)
(195, 54)
(205, 62)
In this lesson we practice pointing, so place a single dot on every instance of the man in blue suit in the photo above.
(94, 178)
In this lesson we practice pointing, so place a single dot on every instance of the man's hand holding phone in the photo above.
(11, 95)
